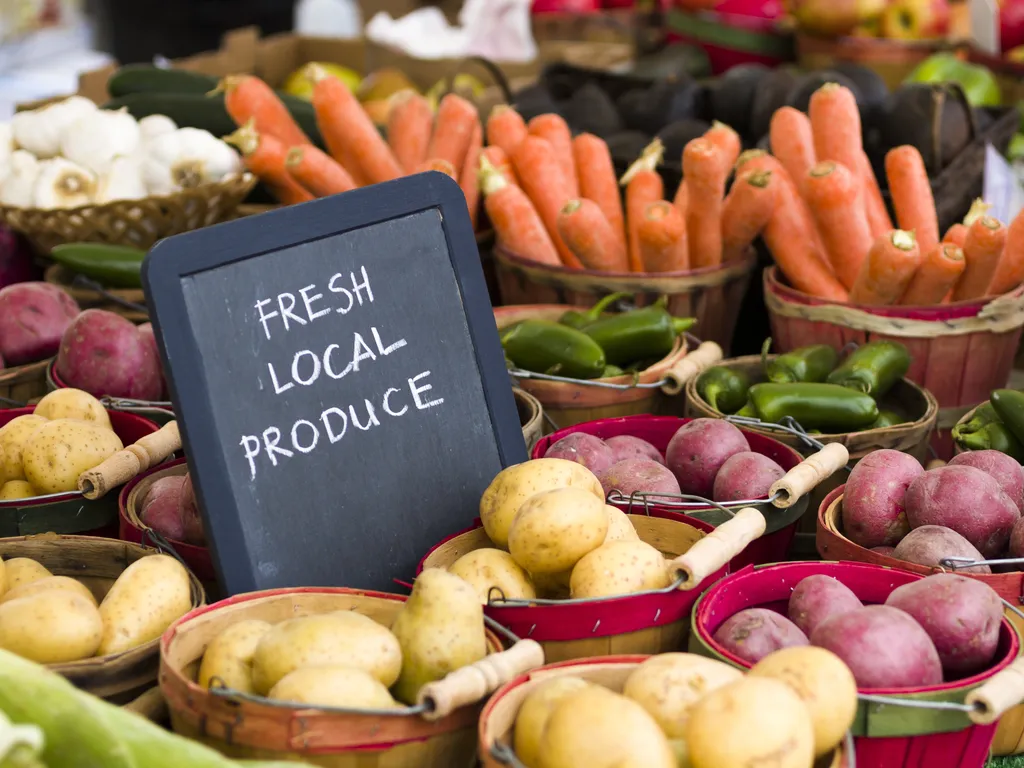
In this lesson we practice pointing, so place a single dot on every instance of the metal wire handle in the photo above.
(697, 502)
(81, 281)
(962, 563)
(787, 425)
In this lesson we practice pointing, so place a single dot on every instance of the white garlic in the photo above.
(19, 187)
(39, 131)
(63, 184)
(152, 126)
(94, 140)
(122, 181)
(185, 159)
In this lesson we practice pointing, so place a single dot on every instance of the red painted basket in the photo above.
(886, 735)
(157, 411)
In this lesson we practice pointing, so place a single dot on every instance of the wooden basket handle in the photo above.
(478, 681)
(690, 365)
(719, 547)
(1000, 693)
(141, 455)
(808, 474)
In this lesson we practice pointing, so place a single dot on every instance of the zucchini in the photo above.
(114, 266)
(145, 78)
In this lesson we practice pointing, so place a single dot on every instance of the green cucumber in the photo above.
(114, 266)
(145, 78)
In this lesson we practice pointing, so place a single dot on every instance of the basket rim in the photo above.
(132, 520)
(59, 383)
(26, 368)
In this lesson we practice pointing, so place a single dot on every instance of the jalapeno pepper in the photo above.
(814, 405)
(544, 346)
(574, 318)
(813, 363)
(983, 415)
(887, 419)
(1009, 405)
(873, 368)
(114, 266)
(724, 389)
(649, 332)
(993, 436)
(747, 411)
(611, 371)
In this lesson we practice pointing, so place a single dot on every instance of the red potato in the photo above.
(746, 475)
(33, 317)
(874, 501)
(1002, 468)
(148, 336)
(160, 508)
(961, 615)
(638, 475)
(592, 452)
(629, 447)
(890, 551)
(818, 598)
(188, 510)
(754, 633)
(968, 501)
(699, 449)
(883, 646)
(104, 354)
(929, 544)
(1017, 539)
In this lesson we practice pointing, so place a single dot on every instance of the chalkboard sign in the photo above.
(339, 382)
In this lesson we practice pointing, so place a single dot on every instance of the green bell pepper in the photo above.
(747, 411)
(724, 389)
(1009, 405)
(574, 318)
(813, 363)
(983, 415)
(993, 436)
(873, 368)
(649, 332)
(815, 406)
(887, 419)
(544, 346)
(113, 266)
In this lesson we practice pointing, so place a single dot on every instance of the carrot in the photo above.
(1010, 271)
(440, 165)
(265, 156)
(792, 141)
(516, 222)
(247, 97)
(833, 194)
(978, 209)
(596, 175)
(706, 173)
(911, 194)
(874, 205)
(543, 181)
(983, 247)
(467, 177)
(584, 228)
(662, 239)
(681, 197)
(555, 130)
(726, 140)
(453, 130)
(410, 123)
(317, 171)
(505, 129)
(747, 208)
(351, 137)
(496, 156)
(643, 186)
(956, 235)
(940, 268)
(888, 269)
(835, 126)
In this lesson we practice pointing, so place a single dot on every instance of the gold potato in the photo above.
(343, 637)
(619, 526)
(333, 686)
(228, 657)
(50, 582)
(17, 489)
(144, 601)
(514, 485)
(59, 451)
(52, 627)
(23, 570)
(493, 569)
(13, 436)
(3, 577)
(73, 404)
(534, 713)
(554, 529)
(619, 568)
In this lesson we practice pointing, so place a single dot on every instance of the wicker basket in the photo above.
(893, 60)
(120, 677)
(531, 416)
(252, 728)
(128, 302)
(138, 223)
(23, 384)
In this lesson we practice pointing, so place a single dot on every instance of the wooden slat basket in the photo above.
(531, 416)
(127, 302)
(23, 383)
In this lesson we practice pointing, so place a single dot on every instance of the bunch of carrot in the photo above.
(554, 199)
(830, 232)
(277, 150)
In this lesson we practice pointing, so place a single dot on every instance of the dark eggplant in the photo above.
(535, 100)
(731, 96)
(675, 136)
(628, 145)
(664, 102)
(590, 110)
(799, 96)
(935, 118)
(772, 92)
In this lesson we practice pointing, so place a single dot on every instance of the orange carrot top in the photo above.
(247, 97)
(265, 156)
(643, 186)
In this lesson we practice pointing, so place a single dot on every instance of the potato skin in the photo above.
(59, 451)
(874, 500)
(52, 627)
(484, 569)
(585, 449)
(817, 598)
(24, 570)
(333, 686)
(50, 582)
(619, 568)
(17, 489)
(1017, 539)
(229, 655)
(70, 403)
(33, 317)
(533, 715)
(746, 475)
(630, 447)
(754, 633)
(930, 544)
(1002, 468)
(638, 476)
(554, 529)
(620, 528)
(13, 436)
(699, 449)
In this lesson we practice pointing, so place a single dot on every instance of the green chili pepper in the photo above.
(983, 415)
(815, 406)
(724, 389)
(813, 363)
(748, 411)
(873, 368)
(993, 436)
(611, 371)
(1009, 405)
(579, 320)
(544, 346)
(649, 332)
(887, 419)
(114, 266)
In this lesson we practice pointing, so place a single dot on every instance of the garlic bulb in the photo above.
(95, 139)
(63, 184)
(185, 159)
(152, 126)
(122, 181)
(39, 130)
(6, 149)
(18, 188)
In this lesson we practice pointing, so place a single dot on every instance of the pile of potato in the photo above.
(170, 508)
(44, 452)
(56, 619)
(679, 709)
(941, 628)
(346, 659)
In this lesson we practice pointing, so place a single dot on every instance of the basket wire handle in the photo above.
(718, 547)
(808, 474)
(690, 366)
(124, 465)
(81, 281)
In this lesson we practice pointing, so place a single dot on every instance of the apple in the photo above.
(832, 18)
(915, 19)
(1011, 24)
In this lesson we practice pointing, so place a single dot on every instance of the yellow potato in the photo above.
(514, 485)
(51, 627)
(493, 573)
(533, 715)
(59, 451)
(619, 568)
(343, 637)
(3, 577)
(554, 529)
(669, 684)
(50, 582)
(13, 437)
(73, 404)
(22, 570)
(17, 489)
(619, 526)
(333, 686)
(144, 601)
(228, 657)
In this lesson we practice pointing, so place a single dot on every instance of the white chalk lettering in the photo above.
(387, 403)
(333, 288)
(286, 311)
(327, 363)
(295, 436)
(278, 389)
(295, 368)
(327, 424)
(385, 351)
(251, 444)
(308, 301)
(425, 388)
(271, 437)
(359, 287)
(265, 316)
(373, 422)
(357, 355)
